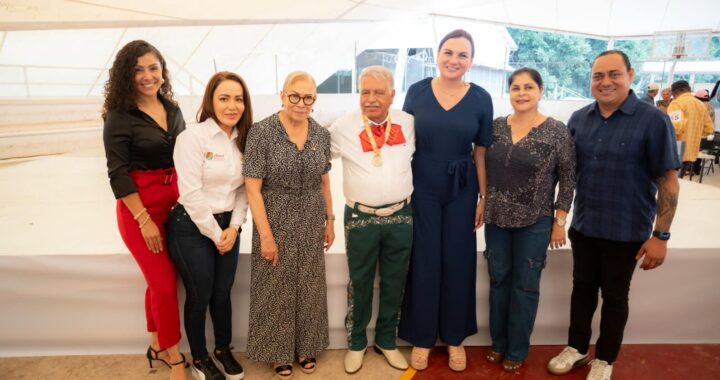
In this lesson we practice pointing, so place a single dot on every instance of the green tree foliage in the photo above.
(562, 60)
(639, 51)
(715, 47)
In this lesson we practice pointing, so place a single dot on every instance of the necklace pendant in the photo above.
(377, 161)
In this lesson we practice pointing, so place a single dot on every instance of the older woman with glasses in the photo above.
(287, 159)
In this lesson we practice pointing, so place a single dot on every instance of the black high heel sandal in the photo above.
(303, 365)
(153, 355)
(182, 361)
(282, 368)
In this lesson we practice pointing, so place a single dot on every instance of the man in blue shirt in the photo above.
(626, 177)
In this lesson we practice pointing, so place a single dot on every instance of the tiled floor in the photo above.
(636, 362)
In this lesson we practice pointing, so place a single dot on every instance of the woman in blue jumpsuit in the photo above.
(453, 123)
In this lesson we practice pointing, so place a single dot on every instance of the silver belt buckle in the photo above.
(385, 211)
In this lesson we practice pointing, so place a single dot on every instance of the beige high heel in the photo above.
(419, 358)
(457, 359)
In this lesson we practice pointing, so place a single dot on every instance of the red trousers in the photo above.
(158, 191)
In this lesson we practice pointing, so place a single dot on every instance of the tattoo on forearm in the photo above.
(666, 202)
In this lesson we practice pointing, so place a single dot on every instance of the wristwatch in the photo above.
(662, 235)
(236, 227)
(560, 222)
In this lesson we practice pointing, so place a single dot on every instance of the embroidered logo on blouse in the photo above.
(214, 156)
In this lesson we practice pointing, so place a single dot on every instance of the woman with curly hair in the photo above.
(142, 122)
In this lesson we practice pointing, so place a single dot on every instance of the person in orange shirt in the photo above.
(691, 121)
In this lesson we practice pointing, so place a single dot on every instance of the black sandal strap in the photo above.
(284, 367)
(307, 361)
(182, 361)
(156, 352)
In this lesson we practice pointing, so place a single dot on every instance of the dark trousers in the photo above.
(440, 292)
(693, 167)
(371, 241)
(606, 265)
(208, 277)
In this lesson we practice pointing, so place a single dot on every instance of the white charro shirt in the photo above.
(362, 181)
(210, 180)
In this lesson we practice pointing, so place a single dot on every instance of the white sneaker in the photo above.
(353, 360)
(568, 359)
(599, 370)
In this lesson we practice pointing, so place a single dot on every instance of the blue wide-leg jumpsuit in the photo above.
(440, 294)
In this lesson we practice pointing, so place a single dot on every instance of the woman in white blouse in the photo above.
(203, 229)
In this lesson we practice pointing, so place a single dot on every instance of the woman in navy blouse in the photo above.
(530, 154)
(453, 123)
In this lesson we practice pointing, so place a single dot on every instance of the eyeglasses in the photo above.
(308, 100)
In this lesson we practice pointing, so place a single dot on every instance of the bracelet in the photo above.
(330, 217)
(136, 217)
(145, 221)
(482, 196)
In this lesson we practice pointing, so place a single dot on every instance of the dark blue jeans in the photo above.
(516, 258)
(208, 277)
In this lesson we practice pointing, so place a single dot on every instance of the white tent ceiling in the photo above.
(600, 18)
(43, 62)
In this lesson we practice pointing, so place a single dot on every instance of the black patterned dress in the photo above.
(288, 302)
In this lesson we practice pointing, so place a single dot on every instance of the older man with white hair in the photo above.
(376, 145)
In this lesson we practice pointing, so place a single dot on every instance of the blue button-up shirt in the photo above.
(619, 160)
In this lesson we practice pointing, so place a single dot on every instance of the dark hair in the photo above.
(459, 33)
(119, 88)
(207, 111)
(534, 74)
(624, 56)
(680, 86)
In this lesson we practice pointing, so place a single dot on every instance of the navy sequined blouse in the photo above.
(522, 177)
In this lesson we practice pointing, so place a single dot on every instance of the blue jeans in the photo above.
(208, 277)
(516, 258)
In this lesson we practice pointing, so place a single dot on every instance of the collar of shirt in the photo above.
(380, 124)
(215, 129)
(627, 107)
(684, 95)
(168, 105)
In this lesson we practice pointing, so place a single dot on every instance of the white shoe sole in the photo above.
(579, 363)
(196, 373)
(222, 369)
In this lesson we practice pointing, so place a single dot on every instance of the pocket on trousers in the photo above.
(488, 258)
(532, 273)
(181, 223)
